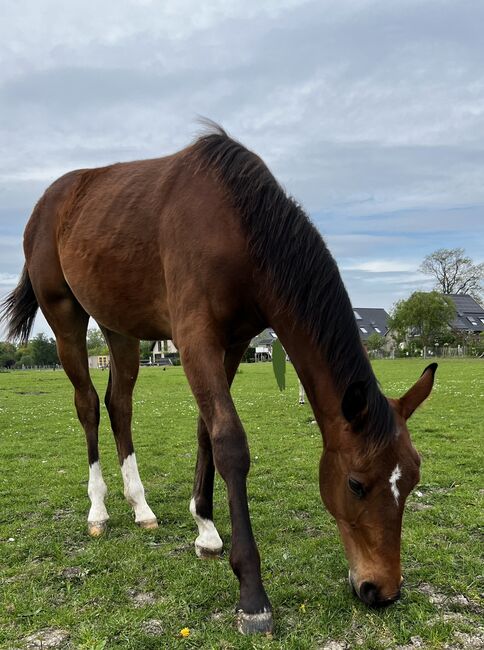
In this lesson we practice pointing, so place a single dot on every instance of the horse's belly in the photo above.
(125, 293)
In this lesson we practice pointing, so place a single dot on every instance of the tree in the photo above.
(375, 342)
(95, 342)
(24, 356)
(8, 355)
(425, 316)
(43, 351)
(454, 272)
(25, 361)
(145, 350)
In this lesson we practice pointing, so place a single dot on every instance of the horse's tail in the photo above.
(19, 309)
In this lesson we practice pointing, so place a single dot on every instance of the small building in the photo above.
(469, 317)
(99, 361)
(263, 343)
(161, 349)
(371, 321)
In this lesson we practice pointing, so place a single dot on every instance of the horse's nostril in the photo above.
(369, 593)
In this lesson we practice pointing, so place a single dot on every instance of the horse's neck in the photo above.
(312, 370)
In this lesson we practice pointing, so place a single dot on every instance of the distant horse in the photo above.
(204, 247)
(302, 394)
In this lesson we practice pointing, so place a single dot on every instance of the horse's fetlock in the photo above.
(98, 491)
(134, 495)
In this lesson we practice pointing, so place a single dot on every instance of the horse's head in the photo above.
(365, 489)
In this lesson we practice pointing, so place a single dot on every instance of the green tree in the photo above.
(375, 342)
(454, 272)
(95, 342)
(24, 356)
(43, 351)
(25, 361)
(424, 315)
(8, 355)
(480, 345)
(145, 350)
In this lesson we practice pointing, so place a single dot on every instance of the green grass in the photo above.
(52, 575)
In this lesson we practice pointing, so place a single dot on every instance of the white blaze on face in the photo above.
(395, 475)
(134, 490)
(97, 491)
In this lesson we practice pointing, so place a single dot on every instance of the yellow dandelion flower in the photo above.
(303, 608)
(185, 632)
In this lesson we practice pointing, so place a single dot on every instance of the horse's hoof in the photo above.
(205, 553)
(96, 528)
(148, 524)
(254, 623)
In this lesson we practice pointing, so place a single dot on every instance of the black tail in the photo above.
(19, 309)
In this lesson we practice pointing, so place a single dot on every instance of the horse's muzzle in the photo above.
(370, 594)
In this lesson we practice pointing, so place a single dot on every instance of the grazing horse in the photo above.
(204, 247)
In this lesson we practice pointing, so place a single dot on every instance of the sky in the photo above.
(369, 112)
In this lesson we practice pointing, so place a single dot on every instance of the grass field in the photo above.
(138, 589)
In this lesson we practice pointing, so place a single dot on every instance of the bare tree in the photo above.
(454, 272)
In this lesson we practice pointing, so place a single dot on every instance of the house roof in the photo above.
(470, 315)
(368, 319)
(371, 321)
(266, 337)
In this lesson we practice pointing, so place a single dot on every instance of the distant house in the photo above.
(371, 321)
(98, 361)
(160, 349)
(470, 315)
(262, 344)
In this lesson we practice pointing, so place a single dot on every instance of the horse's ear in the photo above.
(355, 404)
(419, 391)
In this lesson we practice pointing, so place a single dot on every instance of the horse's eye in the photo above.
(356, 487)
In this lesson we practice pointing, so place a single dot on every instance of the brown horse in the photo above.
(204, 247)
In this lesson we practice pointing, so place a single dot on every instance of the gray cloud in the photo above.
(371, 114)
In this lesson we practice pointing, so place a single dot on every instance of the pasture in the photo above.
(138, 589)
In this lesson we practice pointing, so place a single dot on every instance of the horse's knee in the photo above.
(231, 455)
(87, 405)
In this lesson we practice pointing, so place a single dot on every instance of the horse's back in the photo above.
(142, 244)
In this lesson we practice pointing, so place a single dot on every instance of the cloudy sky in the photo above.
(371, 113)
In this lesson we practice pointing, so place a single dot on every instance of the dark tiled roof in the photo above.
(470, 315)
(371, 321)
(267, 337)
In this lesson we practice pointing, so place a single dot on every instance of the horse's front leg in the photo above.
(208, 543)
(204, 367)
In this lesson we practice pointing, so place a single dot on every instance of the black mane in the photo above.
(290, 250)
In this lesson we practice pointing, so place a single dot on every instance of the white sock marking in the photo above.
(134, 490)
(208, 537)
(395, 475)
(97, 491)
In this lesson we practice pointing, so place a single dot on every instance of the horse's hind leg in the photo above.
(208, 543)
(69, 323)
(123, 372)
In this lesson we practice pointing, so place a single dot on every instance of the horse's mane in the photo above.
(287, 247)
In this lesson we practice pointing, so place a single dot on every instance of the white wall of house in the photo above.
(161, 348)
(263, 352)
